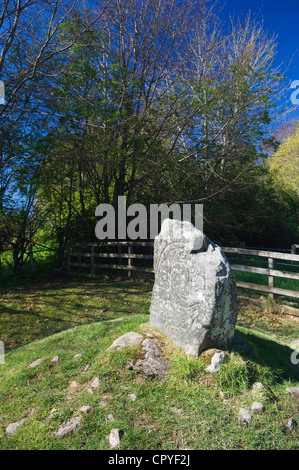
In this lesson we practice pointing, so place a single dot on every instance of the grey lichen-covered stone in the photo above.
(258, 407)
(55, 360)
(114, 438)
(85, 409)
(216, 361)
(70, 426)
(244, 416)
(194, 295)
(128, 339)
(153, 363)
(292, 424)
(12, 428)
(293, 391)
(36, 363)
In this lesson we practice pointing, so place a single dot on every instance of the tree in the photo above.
(284, 164)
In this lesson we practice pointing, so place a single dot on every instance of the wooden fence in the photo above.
(89, 258)
(129, 256)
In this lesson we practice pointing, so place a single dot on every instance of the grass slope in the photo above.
(209, 404)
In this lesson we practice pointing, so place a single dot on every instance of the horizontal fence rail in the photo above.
(111, 255)
(89, 258)
(268, 257)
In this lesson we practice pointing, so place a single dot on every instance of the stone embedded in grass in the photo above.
(12, 428)
(70, 426)
(258, 407)
(85, 409)
(132, 396)
(153, 363)
(216, 361)
(102, 404)
(73, 385)
(257, 389)
(55, 360)
(292, 424)
(126, 340)
(114, 438)
(77, 356)
(96, 383)
(176, 411)
(110, 418)
(36, 363)
(244, 416)
(293, 391)
(258, 386)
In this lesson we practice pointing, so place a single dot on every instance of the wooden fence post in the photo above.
(119, 254)
(271, 280)
(130, 251)
(92, 270)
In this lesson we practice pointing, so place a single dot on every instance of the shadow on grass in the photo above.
(270, 353)
(29, 313)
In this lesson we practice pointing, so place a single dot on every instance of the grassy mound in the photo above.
(191, 409)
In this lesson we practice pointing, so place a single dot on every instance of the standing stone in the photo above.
(194, 295)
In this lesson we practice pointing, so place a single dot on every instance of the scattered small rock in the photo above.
(85, 409)
(70, 426)
(175, 410)
(55, 360)
(96, 383)
(216, 361)
(132, 396)
(258, 386)
(102, 404)
(149, 335)
(77, 356)
(258, 407)
(73, 385)
(293, 391)
(114, 438)
(37, 362)
(12, 428)
(292, 424)
(110, 418)
(128, 339)
(86, 367)
(244, 416)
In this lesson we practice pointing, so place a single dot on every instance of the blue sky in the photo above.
(280, 17)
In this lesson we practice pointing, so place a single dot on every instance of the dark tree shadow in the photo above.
(265, 352)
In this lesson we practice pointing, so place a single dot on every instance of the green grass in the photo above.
(30, 312)
(71, 317)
